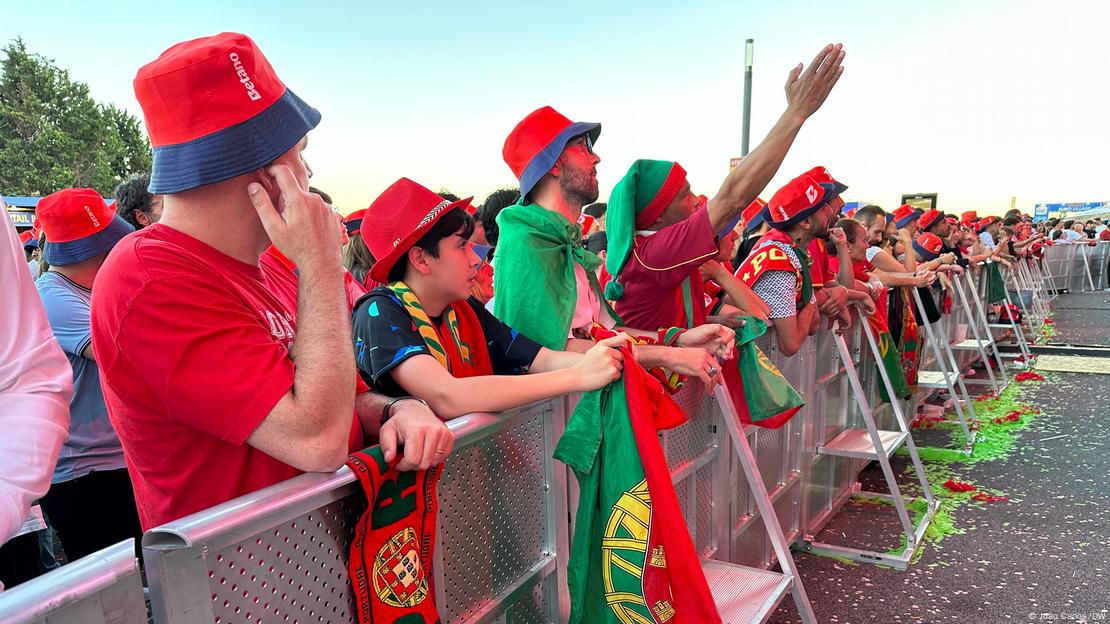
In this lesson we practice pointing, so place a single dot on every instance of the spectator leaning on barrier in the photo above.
(224, 373)
(423, 335)
(135, 203)
(36, 384)
(545, 281)
(660, 232)
(778, 267)
(90, 502)
(829, 288)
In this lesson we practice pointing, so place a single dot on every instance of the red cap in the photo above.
(952, 220)
(397, 219)
(26, 236)
(824, 178)
(986, 222)
(928, 218)
(800, 198)
(969, 217)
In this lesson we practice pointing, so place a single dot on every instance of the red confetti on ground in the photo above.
(1049, 322)
(986, 397)
(1028, 376)
(958, 486)
(1029, 409)
(987, 498)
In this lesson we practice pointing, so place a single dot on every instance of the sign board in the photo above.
(924, 201)
(1074, 209)
(21, 218)
(1040, 213)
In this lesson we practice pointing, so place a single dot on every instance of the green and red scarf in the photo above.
(890, 359)
(910, 339)
(761, 394)
(632, 559)
(463, 350)
(391, 553)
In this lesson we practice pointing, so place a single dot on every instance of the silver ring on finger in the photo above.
(713, 371)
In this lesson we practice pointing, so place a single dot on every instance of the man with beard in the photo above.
(660, 232)
(546, 281)
(778, 267)
(829, 288)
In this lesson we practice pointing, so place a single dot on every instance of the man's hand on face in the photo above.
(425, 438)
(301, 225)
(806, 91)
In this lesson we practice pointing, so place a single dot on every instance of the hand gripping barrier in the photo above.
(101, 588)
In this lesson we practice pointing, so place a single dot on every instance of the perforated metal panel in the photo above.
(749, 544)
(770, 458)
(818, 491)
(296, 572)
(704, 503)
(787, 509)
(493, 517)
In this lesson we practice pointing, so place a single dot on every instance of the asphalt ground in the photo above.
(1041, 555)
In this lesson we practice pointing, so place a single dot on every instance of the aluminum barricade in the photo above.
(101, 588)
(280, 554)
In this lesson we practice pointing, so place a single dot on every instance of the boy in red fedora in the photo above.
(424, 335)
(546, 282)
(220, 366)
(778, 267)
(90, 502)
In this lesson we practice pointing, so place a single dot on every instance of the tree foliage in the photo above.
(53, 135)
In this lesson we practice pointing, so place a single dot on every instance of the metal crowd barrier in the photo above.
(280, 554)
(1076, 267)
(101, 588)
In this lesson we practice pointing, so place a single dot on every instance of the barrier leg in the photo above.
(945, 378)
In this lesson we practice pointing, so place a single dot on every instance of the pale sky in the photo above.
(977, 101)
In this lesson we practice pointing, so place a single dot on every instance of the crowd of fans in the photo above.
(226, 329)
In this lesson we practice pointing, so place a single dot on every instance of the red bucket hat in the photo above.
(986, 222)
(78, 224)
(969, 217)
(534, 145)
(929, 218)
(353, 221)
(800, 198)
(824, 178)
(928, 245)
(904, 214)
(754, 215)
(397, 219)
(215, 109)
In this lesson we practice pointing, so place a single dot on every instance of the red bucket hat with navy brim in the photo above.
(215, 109)
(534, 145)
(928, 245)
(795, 202)
(78, 224)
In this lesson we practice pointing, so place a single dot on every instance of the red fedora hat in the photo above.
(397, 219)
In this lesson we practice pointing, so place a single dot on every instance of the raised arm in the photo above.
(805, 93)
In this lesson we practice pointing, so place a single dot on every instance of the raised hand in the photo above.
(806, 91)
(838, 237)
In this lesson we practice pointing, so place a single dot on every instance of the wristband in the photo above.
(387, 411)
(669, 336)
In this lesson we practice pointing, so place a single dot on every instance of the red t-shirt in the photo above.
(655, 270)
(193, 347)
(819, 271)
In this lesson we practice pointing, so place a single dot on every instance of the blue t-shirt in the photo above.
(92, 444)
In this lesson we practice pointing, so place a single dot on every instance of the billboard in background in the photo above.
(1074, 209)
(1040, 213)
(924, 201)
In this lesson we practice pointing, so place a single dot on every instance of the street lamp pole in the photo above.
(749, 50)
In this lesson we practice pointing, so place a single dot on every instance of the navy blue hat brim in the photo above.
(901, 223)
(31, 244)
(838, 188)
(75, 251)
(353, 226)
(756, 221)
(728, 226)
(545, 159)
(805, 214)
(924, 253)
(233, 151)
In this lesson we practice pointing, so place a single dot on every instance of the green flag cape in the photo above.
(996, 286)
(632, 559)
(760, 392)
(533, 281)
(891, 359)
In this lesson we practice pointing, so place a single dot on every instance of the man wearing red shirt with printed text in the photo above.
(222, 371)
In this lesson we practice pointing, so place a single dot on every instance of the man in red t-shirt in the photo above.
(222, 371)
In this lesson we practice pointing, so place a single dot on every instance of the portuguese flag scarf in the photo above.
(632, 559)
(891, 359)
(760, 392)
(391, 553)
(463, 352)
(534, 287)
(996, 286)
(909, 335)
